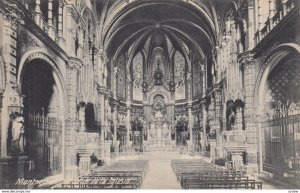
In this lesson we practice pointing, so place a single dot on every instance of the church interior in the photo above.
(150, 94)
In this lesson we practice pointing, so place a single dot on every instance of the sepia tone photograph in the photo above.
(150, 94)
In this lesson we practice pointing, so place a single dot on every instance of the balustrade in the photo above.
(42, 22)
(272, 22)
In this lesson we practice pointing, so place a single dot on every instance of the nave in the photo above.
(167, 170)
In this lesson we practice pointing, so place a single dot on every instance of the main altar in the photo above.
(159, 133)
(159, 114)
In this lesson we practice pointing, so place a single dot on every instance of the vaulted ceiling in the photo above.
(185, 24)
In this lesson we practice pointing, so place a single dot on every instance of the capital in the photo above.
(103, 56)
(74, 63)
(246, 58)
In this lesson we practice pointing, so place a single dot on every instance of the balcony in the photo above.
(272, 22)
(42, 22)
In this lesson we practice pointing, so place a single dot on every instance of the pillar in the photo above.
(60, 18)
(102, 139)
(283, 2)
(72, 124)
(50, 21)
(271, 9)
(81, 117)
(239, 119)
(251, 25)
(12, 101)
(248, 65)
(259, 13)
(107, 151)
(190, 126)
(101, 105)
(128, 125)
(217, 124)
(204, 119)
(38, 11)
(115, 125)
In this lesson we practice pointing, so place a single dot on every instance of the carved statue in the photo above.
(158, 109)
(152, 130)
(18, 141)
(231, 119)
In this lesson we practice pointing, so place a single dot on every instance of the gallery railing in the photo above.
(272, 22)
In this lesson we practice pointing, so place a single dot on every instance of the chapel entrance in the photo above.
(43, 125)
(281, 129)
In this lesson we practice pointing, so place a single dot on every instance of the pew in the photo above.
(198, 174)
(124, 174)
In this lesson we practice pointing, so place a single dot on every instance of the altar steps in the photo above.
(153, 148)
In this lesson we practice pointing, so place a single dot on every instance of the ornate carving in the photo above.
(28, 41)
(137, 74)
(74, 63)
(12, 13)
(18, 142)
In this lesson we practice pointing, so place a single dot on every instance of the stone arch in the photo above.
(158, 91)
(91, 14)
(272, 60)
(59, 92)
(42, 54)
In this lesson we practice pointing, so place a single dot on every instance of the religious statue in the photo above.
(152, 130)
(165, 130)
(158, 109)
(231, 120)
(18, 141)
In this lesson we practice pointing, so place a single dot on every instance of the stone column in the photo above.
(102, 137)
(190, 125)
(128, 124)
(50, 21)
(283, 2)
(213, 145)
(248, 65)
(107, 151)
(81, 117)
(101, 96)
(259, 15)
(115, 122)
(271, 9)
(72, 124)
(217, 122)
(12, 101)
(204, 119)
(251, 25)
(239, 119)
(38, 11)
(60, 18)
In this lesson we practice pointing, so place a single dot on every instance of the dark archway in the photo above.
(43, 126)
(281, 149)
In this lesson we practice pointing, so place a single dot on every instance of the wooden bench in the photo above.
(197, 174)
(131, 172)
(224, 184)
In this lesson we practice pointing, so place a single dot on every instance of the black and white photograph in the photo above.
(149, 95)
